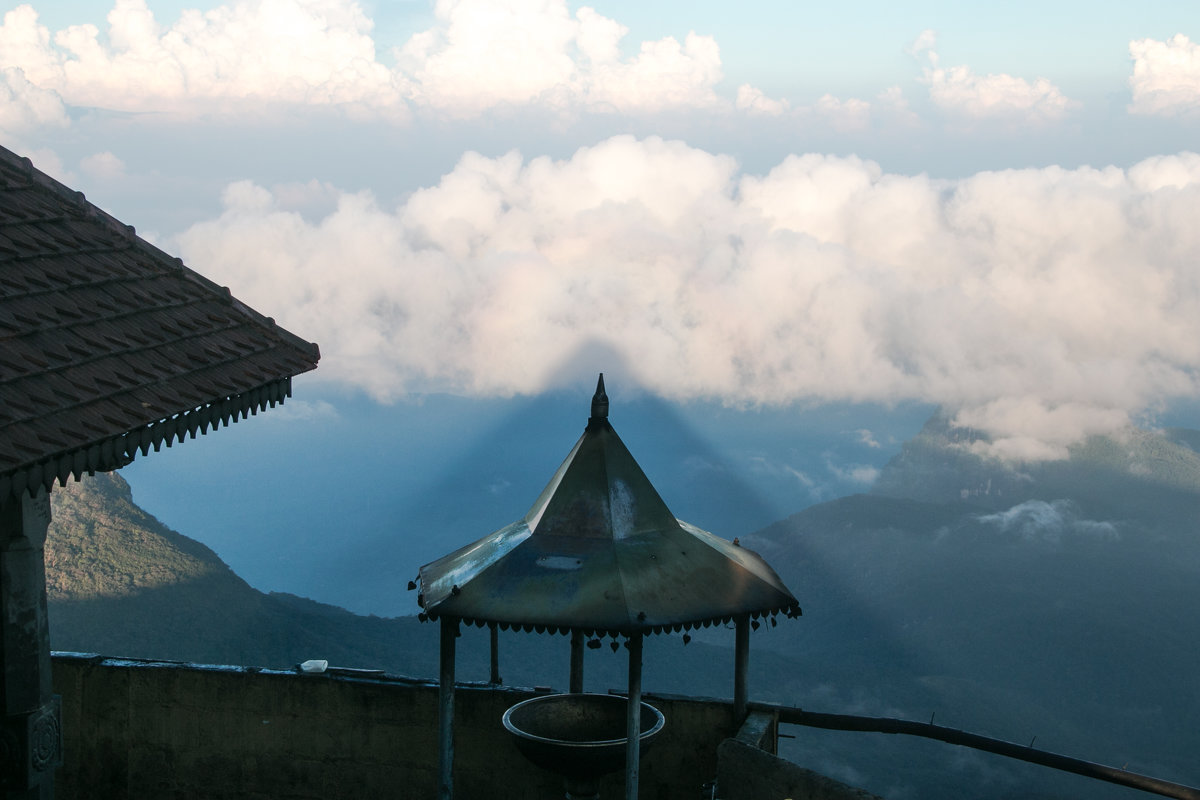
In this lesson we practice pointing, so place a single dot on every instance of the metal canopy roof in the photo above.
(600, 552)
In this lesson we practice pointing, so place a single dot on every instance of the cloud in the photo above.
(925, 45)
(753, 101)
(1037, 520)
(849, 115)
(312, 52)
(25, 107)
(959, 91)
(1166, 76)
(863, 474)
(103, 165)
(483, 55)
(866, 437)
(249, 56)
(1041, 305)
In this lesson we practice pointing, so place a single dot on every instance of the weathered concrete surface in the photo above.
(746, 772)
(154, 730)
(30, 732)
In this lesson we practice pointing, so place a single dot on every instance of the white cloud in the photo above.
(25, 107)
(866, 437)
(863, 474)
(1166, 76)
(1041, 304)
(313, 52)
(103, 165)
(1037, 520)
(925, 44)
(852, 114)
(753, 101)
(959, 91)
(483, 55)
(249, 56)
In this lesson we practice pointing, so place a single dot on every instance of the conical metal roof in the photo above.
(600, 552)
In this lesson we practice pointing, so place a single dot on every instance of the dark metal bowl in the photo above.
(579, 736)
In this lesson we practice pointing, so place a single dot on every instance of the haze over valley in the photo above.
(1009, 601)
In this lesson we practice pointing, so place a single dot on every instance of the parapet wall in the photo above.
(160, 730)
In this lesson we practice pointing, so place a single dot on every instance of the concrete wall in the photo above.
(748, 770)
(163, 730)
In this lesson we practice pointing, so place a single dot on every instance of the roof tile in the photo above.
(102, 334)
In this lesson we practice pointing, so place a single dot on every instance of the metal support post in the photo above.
(495, 641)
(741, 662)
(633, 718)
(446, 710)
(576, 683)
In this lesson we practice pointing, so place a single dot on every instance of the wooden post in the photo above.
(633, 717)
(741, 662)
(576, 682)
(30, 726)
(446, 710)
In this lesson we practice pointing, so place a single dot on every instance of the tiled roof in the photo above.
(109, 346)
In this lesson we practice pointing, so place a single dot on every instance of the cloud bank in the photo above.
(479, 56)
(1043, 305)
(312, 52)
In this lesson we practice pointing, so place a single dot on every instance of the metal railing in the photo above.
(850, 722)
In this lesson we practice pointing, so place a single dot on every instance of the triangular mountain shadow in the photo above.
(523, 449)
(599, 551)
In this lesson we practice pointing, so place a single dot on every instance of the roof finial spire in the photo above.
(599, 401)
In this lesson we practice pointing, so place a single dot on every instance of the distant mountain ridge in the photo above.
(120, 583)
(941, 464)
(1055, 600)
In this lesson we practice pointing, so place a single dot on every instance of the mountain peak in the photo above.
(942, 464)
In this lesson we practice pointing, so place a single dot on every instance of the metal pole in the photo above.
(446, 711)
(633, 718)
(495, 637)
(576, 684)
(741, 661)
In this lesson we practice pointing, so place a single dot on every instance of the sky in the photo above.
(990, 209)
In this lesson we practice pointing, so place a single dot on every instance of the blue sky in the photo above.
(771, 207)
(985, 208)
